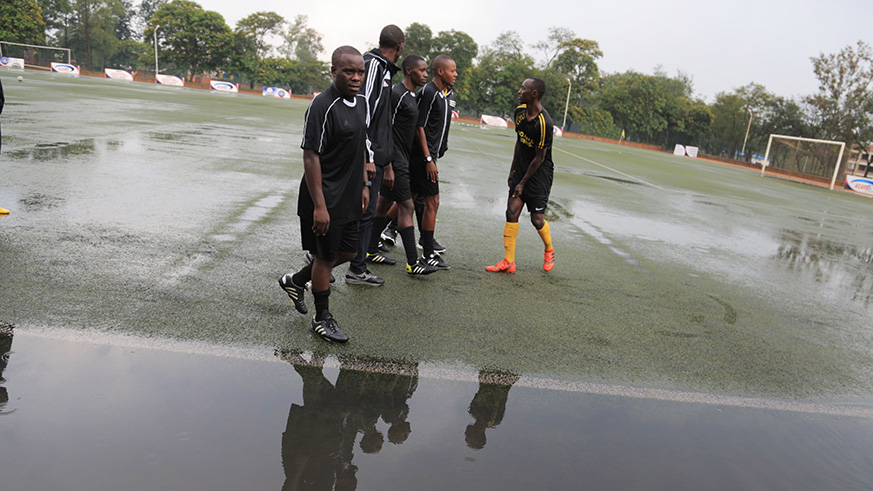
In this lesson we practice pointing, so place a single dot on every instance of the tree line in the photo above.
(656, 108)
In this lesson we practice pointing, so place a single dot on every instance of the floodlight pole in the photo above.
(567, 106)
(156, 50)
(747, 133)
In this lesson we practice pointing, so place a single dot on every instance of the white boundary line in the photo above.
(609, 168)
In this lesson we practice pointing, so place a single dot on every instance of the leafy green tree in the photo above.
(143, 16)
(57, 14)
(21, 21)
(656, 109)
(637, 104)
(190, 38)
(569, 67)
(124, 21)
(493, 83)
(301, 77)
(256, 27)
(250, 44)
(578, 61)
(302, 42)
(688, 121)
(594, 121)
(92, 31)
(730, 118)
(132, 55)
(843, 105)
(554, 44)
(768, 113)
(419, 40)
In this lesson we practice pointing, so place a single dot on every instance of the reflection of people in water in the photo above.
(488, 406)
(318, 443)
(313, 437)
(5, 348)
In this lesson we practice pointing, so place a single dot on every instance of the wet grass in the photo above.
(671, 272)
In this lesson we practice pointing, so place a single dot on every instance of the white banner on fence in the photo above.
(685, 150)
(169, 80)
(277, 92)
(65, 68)
(493, 121)
(118, 74)
(223, 86)
(12, 63)
(860, 184)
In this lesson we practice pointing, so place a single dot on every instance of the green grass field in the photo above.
(170, 213)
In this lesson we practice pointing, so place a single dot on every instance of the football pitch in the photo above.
(170, 213)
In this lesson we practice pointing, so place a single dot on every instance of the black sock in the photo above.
(408, 236)
(418, 204)
(393, 223)
(427, 242)
(302, 277)
(322, 303)
(378, 227)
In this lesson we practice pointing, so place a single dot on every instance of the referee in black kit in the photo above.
(332, 192)
(380, 68)
(435, 105)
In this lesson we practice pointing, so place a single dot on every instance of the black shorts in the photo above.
(536, 190)
(340, 237)
(401, 190)
(418, 180)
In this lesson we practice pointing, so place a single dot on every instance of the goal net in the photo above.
(35, 56)
(803, 157)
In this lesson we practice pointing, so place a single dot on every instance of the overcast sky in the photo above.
(722, 45)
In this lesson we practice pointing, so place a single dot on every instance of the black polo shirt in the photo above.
(531, 136)
(404, 119)
(435, 116)
(336, 129)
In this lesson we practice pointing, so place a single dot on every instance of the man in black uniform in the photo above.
(431, 141)
(530, 176)
(332, 193)
(379, 70)
(404, 119)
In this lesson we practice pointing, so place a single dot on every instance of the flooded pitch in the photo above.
(91, 411)
(705, 328)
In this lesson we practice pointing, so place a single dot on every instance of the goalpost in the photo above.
(35, 56)
(807, 156)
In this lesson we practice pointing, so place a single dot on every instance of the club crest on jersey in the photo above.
(452, 103)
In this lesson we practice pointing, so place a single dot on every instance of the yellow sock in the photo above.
(510, 232)
(546, 235)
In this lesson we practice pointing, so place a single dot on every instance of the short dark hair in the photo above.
(391, 37)
(539, 85)
(440, 62)
(342, 50)
(410, 61)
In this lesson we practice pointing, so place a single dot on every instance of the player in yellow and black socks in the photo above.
(549, 255)
(530, 176)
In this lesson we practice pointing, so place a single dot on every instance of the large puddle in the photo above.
(96, 411)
